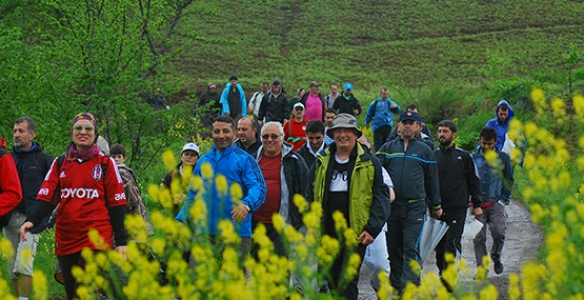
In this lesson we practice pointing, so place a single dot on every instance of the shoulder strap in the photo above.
(105, 161)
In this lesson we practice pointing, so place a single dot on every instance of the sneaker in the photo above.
(498, 267)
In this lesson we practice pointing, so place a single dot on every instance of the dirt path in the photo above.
(523, 239)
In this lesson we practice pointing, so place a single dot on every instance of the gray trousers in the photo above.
(496, 219)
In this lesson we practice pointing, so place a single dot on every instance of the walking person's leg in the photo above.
(480, 240)
(497, 226)
(394, 237)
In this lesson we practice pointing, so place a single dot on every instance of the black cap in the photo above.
(410, 115)
(233, 77)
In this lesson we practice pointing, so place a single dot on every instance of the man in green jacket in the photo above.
(348, 179)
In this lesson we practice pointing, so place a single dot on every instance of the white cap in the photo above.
(298, 104)
(192, 147)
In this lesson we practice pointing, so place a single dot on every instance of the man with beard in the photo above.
(315, 138)
(458, 179)
(412, 167)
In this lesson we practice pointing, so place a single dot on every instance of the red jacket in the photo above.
(10, 191)
(82, 208)
(296, 134)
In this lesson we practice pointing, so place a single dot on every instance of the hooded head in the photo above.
(503, 113)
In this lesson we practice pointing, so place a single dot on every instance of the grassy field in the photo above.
(398, 44)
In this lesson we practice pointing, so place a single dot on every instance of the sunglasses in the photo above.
(299, 108)
(273, 136)
(78, 128)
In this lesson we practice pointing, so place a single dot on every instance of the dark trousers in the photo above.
(451, 241)
(67, 262)
(404, 228)
(380, 135)
(273, 235)
(336, 273)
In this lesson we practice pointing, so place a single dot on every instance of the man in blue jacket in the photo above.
(237, 167)
(496, 184)
(381, 112)
(503, 115)
(233, 102)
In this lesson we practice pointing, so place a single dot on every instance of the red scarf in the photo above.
(87, 154)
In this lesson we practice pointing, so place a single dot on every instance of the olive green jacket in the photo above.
(368, 196)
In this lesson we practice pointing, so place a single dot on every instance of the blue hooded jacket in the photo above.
(237, 166)
(499, 126)
(225, 101)
(381, 114)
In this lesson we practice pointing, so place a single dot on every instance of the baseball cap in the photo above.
(348, 86)
(344, 121)
(314, 83)
(298, 104)
(410, 115)
(192, 147)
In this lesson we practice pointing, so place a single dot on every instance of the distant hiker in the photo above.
(212, 110)
(248, 135)
(32, 165)
(496, 184)
(233, 102)
(330, 99)
(314, 103)
(458, 178)
(274, 105)
(299, 94)
(346, 103)
(295, 128)
(503, 115)
(253, 108)
(425, 133)
(329, 116)
(157, 101)
(381, 112)
(315, 137)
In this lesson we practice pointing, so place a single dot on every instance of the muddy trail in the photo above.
(523, 239)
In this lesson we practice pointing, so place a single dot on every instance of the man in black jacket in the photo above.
(346, 102)
(412, 167)
(274, 105)
(32, 165)
(458, 180)
(285, 174)
(248, 135)
(212, 110)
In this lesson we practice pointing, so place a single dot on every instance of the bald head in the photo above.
(247, 131)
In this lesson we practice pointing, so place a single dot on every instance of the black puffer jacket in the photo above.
(274, 107)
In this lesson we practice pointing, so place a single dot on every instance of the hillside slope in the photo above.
(375, 43)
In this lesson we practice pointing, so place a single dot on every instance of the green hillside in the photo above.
(378, 43)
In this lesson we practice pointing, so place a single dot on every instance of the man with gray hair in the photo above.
(285, 174)
(32, 165)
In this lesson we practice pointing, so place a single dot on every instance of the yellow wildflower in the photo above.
(169, 160)
(558, 109)
(340, 221)
(222, 185)
(40, 284)
(206, 171)
(489, 293)
(578, 102)
(301, 203)
(278, 222)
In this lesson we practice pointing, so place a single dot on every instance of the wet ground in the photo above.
(523, 238)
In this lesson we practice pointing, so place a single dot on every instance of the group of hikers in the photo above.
(274, 148)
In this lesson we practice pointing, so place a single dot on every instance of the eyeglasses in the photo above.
(273, 136)
(299, 109)
(88, 128)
